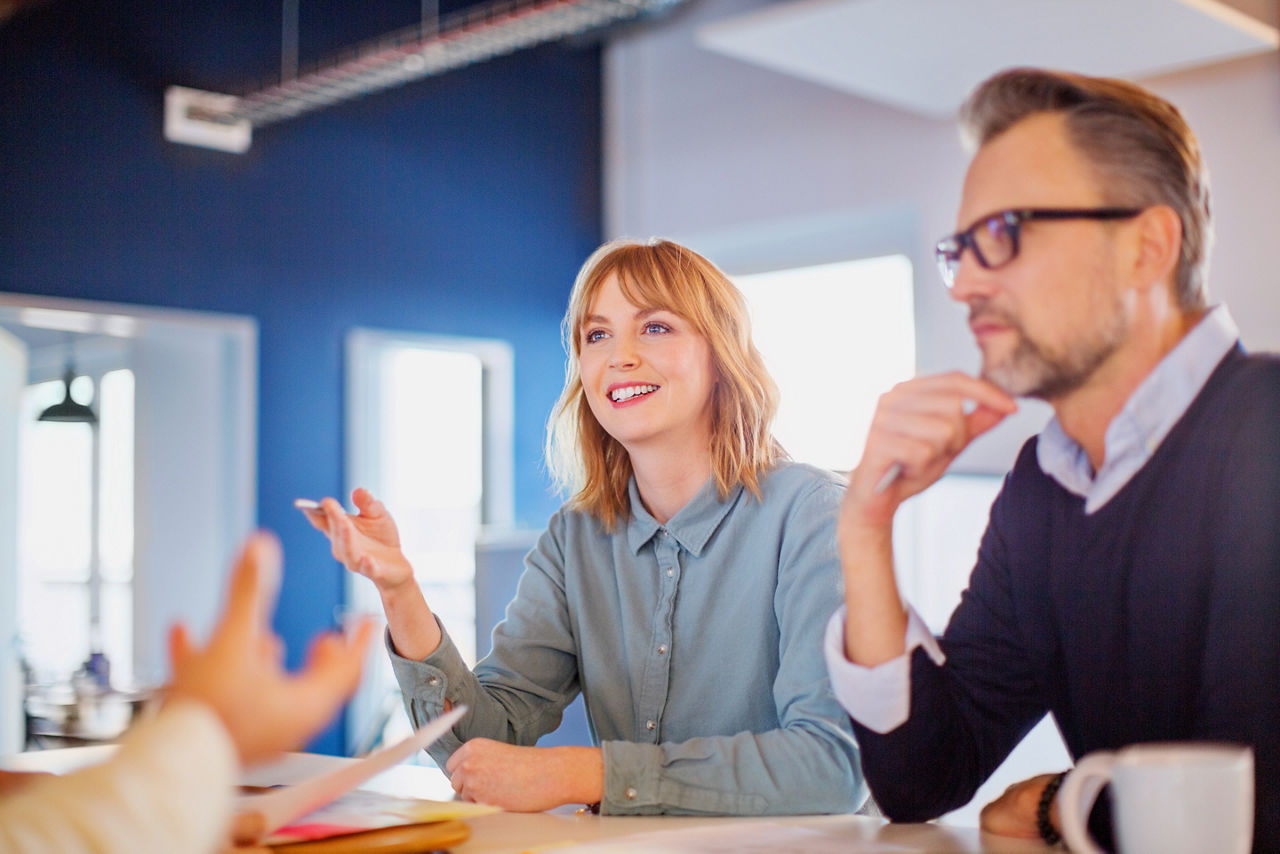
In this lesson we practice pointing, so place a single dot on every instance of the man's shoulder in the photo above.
(1257, 367)
(1249, 381)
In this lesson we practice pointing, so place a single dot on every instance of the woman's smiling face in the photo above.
(647, 373)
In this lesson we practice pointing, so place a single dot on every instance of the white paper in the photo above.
(283, 805)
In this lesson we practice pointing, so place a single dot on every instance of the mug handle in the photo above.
(1076, 798)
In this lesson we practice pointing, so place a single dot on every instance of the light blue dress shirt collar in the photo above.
(1146, 418)
(692, 527)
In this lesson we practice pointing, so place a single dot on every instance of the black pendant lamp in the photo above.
(68, 410)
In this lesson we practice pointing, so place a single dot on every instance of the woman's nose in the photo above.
(623, 354)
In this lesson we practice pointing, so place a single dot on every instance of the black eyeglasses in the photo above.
(994, 238)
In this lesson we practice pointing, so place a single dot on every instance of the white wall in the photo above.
(1234, 109)
(13, 378)
(194, 476)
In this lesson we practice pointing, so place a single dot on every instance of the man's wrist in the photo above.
(1044, 810)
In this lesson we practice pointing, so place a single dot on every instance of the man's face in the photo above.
(1050, 319)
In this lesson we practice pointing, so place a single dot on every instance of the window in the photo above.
(429, 426)
(75, 529)
(834, 337)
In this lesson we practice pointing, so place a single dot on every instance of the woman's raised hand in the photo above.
(366, 542)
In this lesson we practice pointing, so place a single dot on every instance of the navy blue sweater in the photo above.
(1157, 618)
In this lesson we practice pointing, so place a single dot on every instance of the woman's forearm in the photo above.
(414, 631)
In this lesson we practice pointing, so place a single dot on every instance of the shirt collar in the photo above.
(691, 527)
(1144, 420)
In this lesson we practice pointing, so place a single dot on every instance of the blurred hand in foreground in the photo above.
(240, 674)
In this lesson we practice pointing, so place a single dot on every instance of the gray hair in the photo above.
(1142, 148)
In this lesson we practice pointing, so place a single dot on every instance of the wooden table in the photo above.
(510, 833)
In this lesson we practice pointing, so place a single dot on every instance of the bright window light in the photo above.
(115, 436)
(55, 470)
(426, 409)
(835, 337)
(55, 555)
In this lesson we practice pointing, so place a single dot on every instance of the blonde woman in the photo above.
(682, 589)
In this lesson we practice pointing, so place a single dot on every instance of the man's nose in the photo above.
(971, 279)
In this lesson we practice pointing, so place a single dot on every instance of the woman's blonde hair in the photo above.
(658, 274)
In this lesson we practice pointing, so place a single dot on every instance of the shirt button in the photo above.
(434, 681)
(670, 572)
(662, 649)
(631, 794)
(650, 725)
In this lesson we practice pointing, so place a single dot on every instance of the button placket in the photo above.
(666, 550)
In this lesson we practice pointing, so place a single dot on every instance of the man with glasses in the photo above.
(1129, 578)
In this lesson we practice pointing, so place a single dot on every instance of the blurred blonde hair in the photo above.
(586, 461)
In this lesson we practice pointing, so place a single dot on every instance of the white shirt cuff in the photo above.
(878, 697)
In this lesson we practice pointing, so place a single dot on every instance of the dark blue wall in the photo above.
(461, 205)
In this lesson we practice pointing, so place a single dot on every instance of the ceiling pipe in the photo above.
(226, 122)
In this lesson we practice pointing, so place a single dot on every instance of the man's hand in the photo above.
(239, 672)
(526, 779)
(921, 425)
(1014, 812)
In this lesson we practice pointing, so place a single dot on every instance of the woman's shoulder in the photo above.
(790, 478)
(789, 487)
(573, 522)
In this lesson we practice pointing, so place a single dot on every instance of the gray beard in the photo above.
(1031, 371)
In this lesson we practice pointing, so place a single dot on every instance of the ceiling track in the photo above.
(226, 122)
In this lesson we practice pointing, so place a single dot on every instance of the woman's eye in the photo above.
(653, 327)
(593, 336)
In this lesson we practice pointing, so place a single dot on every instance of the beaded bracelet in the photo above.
(1043, 825)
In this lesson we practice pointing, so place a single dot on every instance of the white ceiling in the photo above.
(925, 55)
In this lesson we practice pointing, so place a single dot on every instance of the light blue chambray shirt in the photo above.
(695, 645)
(1145, 419)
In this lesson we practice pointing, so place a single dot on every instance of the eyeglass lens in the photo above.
(994, 242)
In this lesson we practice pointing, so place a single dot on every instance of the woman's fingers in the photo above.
(367, 504)
(317, 519)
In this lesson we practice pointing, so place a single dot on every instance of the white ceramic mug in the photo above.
(1165, 798)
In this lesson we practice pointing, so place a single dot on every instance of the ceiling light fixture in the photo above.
(226, 122)
(69, 410)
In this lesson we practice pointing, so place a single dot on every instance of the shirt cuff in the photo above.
(631, 778)
(877, 697)
(637, 781)
(418, 679)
